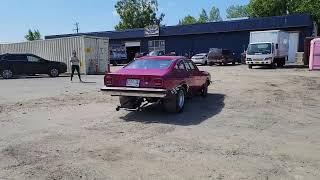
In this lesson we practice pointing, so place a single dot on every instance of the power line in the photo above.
(76, 27)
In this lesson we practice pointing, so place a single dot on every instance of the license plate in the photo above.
(133, 83)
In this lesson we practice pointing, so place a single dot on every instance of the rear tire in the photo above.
(7, 74)
(54, 72)
(175, 103)
(250, 66)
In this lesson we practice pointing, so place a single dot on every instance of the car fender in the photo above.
(176, 89)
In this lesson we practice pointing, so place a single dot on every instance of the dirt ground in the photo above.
(255, 124)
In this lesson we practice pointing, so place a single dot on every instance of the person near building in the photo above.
(75, 65)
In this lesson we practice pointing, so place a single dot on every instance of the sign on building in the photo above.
(152, 30)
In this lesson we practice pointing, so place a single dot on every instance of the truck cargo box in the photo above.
(279, 38)
(93, 52)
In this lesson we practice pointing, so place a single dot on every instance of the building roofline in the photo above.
(205, 28)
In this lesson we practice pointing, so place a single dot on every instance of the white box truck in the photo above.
(93, 52)
(268, 48)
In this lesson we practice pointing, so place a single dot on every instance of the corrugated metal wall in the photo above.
(59, 50)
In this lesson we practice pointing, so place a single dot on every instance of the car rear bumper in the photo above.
(217, 61)
(134, 92)
(198, 61)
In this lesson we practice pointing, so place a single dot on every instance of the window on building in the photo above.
(157, 45)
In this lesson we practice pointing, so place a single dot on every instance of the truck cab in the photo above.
(260, 53)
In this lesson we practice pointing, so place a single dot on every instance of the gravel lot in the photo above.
(255, 124)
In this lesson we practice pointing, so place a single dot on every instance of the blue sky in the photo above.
(58, 16)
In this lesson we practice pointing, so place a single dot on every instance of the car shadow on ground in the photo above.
(197, 110)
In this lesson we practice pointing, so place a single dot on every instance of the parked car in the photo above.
(118, 57)
(15, 64)
(200, 58)
(221, 57)
(156, 53)
(164, 79)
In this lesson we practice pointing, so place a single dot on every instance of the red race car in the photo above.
(163, 79)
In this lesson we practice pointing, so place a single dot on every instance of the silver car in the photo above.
(200, 58)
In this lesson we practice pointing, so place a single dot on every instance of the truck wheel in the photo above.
(250, 66)
(233, 63)
(7, 74)
(281, 63)
(53, 72)
(175, 103)
(273, 65)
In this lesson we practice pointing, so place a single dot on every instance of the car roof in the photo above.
(18, 54)
(161, 57)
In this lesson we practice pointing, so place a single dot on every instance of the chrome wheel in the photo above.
(54, 72)
(7, 74)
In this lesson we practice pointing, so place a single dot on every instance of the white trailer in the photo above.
(93, 52)
(268, 48)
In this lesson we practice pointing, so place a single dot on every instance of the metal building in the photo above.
(198, 38)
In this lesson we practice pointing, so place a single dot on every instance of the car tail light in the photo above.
(158, 82)
(108, 81)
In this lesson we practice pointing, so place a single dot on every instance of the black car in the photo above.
(30, 64)
(221, 57)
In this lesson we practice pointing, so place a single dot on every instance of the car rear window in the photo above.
(149, 64)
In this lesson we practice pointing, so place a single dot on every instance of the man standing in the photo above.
(75, 64)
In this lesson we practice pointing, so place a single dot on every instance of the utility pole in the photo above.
(76, 27)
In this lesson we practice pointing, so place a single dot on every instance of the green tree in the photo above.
(188, 20)
(261, 8)
(306, 6)
(237, 11)
(214, 15)
(137, 14)
(203, 18)
(33, 35)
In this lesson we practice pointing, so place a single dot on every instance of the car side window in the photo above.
(180, 66)
(33, 59)
(191, 65)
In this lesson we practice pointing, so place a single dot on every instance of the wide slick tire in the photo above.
(175, 103)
